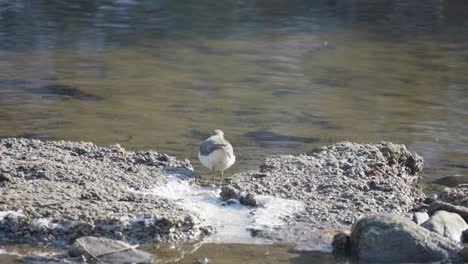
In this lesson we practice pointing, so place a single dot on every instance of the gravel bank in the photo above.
(55, 192)
(338, 184)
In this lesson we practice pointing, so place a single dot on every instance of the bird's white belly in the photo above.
(217, 160)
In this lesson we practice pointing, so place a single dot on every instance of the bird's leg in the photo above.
(214, 176)
(221, 180)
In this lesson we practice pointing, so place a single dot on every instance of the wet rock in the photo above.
(337, 185)
(247, 199)
(420, 217)
(228, 193)
(392, 238)
(449, 225)
(230, 202)
(464, 254)
(465, 236)
(45, 260)
(341, 243)
(64, 90)
(438, 205)
(58, 191)
(107, 250)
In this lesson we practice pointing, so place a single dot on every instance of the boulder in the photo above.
(393, 238)
(107, 250)
(458, 209)
(449, 225)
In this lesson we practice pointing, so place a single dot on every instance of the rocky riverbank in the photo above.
(55, 192)
(338, 184)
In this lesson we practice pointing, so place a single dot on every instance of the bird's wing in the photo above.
(209, 146)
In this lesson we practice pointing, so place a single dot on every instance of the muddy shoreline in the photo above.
(53, 192)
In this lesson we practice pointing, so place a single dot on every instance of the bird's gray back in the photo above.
(213, 143)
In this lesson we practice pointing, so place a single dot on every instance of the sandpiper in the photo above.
(216, 153)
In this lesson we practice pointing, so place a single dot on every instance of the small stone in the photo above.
(341, 241)
(227, 193)
(247, 199)
(420, 217)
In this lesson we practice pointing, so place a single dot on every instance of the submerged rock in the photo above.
(107, 251)
(392, 238)
(337, 185)
(449, 225)
(55, 192)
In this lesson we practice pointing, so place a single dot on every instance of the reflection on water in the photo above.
(276, 76)
(185, 254)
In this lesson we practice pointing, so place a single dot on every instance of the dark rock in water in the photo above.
(9, 83)
(464, 254)
(45, 260)
(64, 90)
(465, 236)
(449, 225)
(271, 136)
(420, 217)
(107, 250)
(228, 193)
(230, 202)
(393, 238)
(438, 205)
(247, 199)
(452, 181)
(341, 243)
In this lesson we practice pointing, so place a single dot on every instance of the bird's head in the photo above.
(218, 132)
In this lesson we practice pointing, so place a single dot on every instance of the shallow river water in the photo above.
(277, 76)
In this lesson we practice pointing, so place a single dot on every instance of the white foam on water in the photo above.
(232, 222)
(272, 210)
